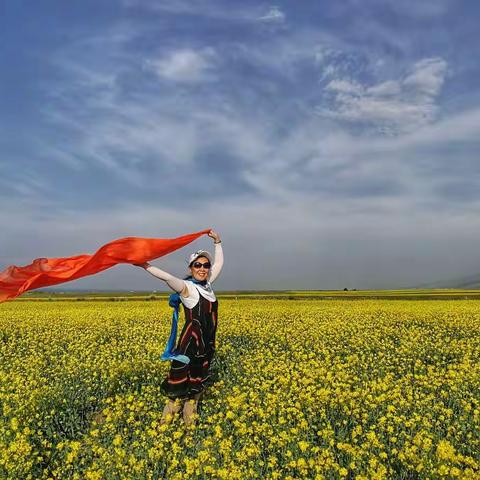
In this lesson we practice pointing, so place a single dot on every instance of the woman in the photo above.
(197, 339)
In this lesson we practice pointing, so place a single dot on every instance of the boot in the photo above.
(190, 411)
(171, 408)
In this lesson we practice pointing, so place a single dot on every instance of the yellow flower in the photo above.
(445, 450)
(303, 446)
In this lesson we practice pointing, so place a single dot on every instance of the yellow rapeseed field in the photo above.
(360, 389)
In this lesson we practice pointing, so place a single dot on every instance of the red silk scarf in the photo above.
(43, 272)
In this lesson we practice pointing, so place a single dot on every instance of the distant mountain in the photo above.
(470, 282)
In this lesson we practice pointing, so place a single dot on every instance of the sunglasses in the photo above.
(199, 265)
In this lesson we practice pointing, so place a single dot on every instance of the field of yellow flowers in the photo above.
(318, 389)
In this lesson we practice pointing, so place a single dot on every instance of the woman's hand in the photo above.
(215, 236)
(143, 265)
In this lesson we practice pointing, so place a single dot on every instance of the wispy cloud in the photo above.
(173, 6)
(273, 15)
(148, 134)
(393, 106)
(26, 185)
(213, 9)
(184, 65)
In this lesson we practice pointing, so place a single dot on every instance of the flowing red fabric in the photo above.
(43, 272)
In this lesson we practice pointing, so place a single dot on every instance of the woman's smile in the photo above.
(198, 270)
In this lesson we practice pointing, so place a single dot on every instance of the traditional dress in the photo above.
(196, 341)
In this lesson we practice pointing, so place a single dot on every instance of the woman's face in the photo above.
(198, 269)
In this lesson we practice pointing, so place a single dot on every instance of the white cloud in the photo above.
(385, 89)
(345, 86)
(391, 107)
(172, 6)
(273, 15)
(427, 77)
(184, 65)
(211, 9)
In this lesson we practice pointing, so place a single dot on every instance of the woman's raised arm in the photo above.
(218, 260)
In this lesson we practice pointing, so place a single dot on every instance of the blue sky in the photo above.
(331, 144)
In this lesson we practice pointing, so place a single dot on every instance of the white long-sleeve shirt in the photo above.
(179, 285)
